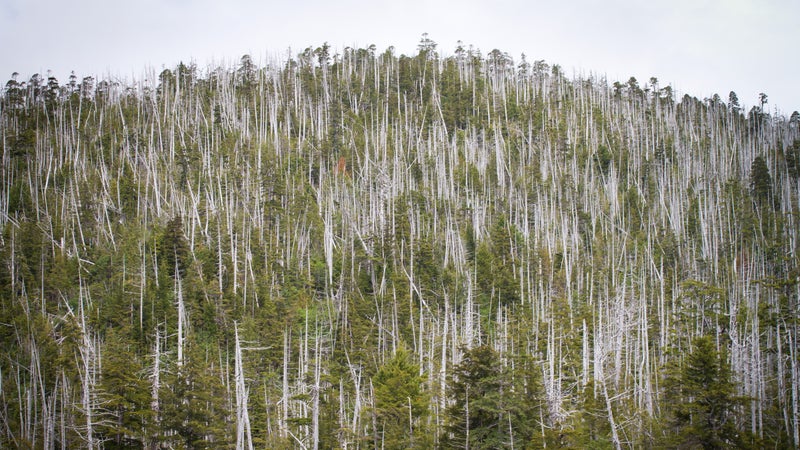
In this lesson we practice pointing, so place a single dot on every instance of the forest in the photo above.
(352, 249)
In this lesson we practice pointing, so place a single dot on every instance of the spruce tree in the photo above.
(400, 404)
(484, 410)
(702, 401)
(760, 180)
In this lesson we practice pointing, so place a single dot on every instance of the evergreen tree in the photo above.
(173, 249)
(401, 404)
(589, 428)
(760, 180)
(793, 159)
(484, 411)
(125, 393)
(194, 413)
(702, 401)
(495, 265)
(733, 102)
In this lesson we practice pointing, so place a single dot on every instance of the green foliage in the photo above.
(495, 264)
(705, 304)
(173, 249)
(125, 393)
(456, 100)
(702, 401)
(485, 409)
(760, 180)
(401, 405)
(193, 412)
(793, 159)
(603, 157)
(590, 428)
(24, 144)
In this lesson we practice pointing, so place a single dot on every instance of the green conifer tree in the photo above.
(125, 393)
(760, 180)
(485, 410)
(702, 401)
(401, 404)
(194, 413)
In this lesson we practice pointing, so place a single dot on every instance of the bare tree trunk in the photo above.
(614, 435)
(243, 436)
(181, 315)
(89, 357)
(316, 392)
(283, 422)
(155, 404)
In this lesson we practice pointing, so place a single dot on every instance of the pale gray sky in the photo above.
(700, 47)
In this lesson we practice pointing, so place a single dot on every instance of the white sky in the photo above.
(700, 47)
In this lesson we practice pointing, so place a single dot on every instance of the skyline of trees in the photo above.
(366, 250)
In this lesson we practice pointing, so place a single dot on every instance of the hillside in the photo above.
(366, 250)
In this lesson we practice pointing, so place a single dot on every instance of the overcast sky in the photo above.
(700, 47)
